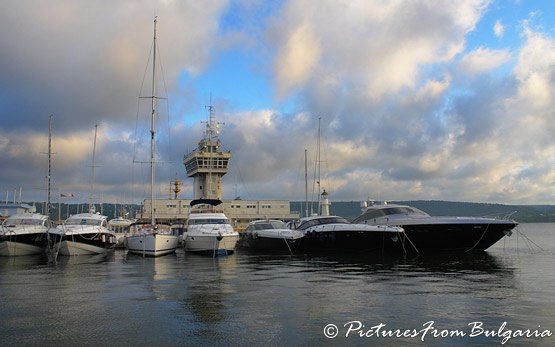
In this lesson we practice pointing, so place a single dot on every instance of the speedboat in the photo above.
(83, 234)
(208, 229)
(270, 235)
(322, 232)
(24, 234)
(430, 233)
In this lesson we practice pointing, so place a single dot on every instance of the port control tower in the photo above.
(208, 163)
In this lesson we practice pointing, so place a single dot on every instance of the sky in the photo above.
(415, 100)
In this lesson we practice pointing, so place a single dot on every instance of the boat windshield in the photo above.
(22, 221)
(263, 226)
(319, 221)
(377, 213)
(208, 221)
(83, 221)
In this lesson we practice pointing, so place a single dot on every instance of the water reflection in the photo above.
(209, 286)
(249, 298)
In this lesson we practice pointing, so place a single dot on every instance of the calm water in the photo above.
(253, 299)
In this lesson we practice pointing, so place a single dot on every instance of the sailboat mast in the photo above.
(49, 166)
(153, 128)
(305, 182)
(92, 169)
(318, 164)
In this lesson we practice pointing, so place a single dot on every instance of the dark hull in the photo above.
(101, 241)
(352, 240)
(23, 244)
(270, 244)
(35, 239)
(454, 237)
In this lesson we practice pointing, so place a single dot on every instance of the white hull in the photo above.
(152, 245)
(10, 249)
(210, 243)
(121, 238)
(70, 248)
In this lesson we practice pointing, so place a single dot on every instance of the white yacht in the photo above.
(150, 239)
(83, 234)
(24, 234)
(208, 229)
(121, 227)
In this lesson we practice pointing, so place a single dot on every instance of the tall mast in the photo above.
(318, 158)
(49, 166)
(92, 169)
(305, 183)
(153, 128)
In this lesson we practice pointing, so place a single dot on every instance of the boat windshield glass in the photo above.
(263, 226)
(22, 221)
(277, 224)
(319, 221)
(83, 221)
(377, 213)
(208, 221)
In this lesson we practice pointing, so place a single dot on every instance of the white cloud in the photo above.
(363, 43)
(483, 59)
(498, 29)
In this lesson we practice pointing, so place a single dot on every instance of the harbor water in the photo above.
(504, 296)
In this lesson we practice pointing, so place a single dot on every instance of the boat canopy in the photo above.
(213, 202)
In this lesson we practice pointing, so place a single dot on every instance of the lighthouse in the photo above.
(208, 163)
(325, 204)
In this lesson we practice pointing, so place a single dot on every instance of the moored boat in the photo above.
(333, 232)
(270, 235)
(83, 234)
(121, 227)
(208, 229)
(24, 234)
(431, 234)
(151, 239)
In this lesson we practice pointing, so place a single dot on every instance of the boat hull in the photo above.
(83, 244)
(211, 244)
(26, 244)
(352, 240)
(456, 237)
(270, 243)
(152, 245)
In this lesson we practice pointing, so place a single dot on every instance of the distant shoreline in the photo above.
(351, 209)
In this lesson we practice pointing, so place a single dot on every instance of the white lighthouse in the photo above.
(325, 204)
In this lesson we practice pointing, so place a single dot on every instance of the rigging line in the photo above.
(241, 179)
(412, 244)
(527, 238)
(139, 100)
(480, 239)
(162, 72)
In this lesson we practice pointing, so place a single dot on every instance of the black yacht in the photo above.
(429, 233)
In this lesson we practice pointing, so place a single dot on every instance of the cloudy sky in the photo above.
(449, 100)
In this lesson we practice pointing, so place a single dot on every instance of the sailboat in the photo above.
(149, 239)
(27, 233)
(84, 233)
(323, 231)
